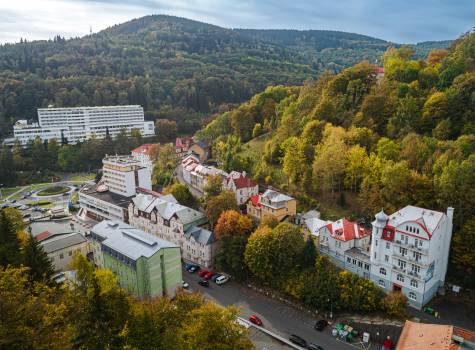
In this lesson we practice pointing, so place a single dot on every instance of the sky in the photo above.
(400, 21)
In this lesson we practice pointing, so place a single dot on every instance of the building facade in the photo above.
(123, 177)
(346, 244)
(76, 124)
(143, 154)
(61, 248)
(272, 203)
(242, 186)
(165, 218)
(145, 265)
(410, 250)
(201, 149)
(182, 145)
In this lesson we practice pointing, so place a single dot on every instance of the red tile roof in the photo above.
(43, 235)
(144, 149)
(244, 182)
(345, 230)
(181, 142)
(255, 200)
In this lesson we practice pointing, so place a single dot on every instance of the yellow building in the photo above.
(272, 203)
(200, 149)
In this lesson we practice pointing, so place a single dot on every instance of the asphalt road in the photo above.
(276, 316)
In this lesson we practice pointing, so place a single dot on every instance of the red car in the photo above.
(209, 275)
(203, 272)
(256, 320)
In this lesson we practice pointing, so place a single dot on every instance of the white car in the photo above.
(222, 279)
(185, 285)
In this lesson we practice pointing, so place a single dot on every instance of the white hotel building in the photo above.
(410, 252)
(81, 123)
(122, 177)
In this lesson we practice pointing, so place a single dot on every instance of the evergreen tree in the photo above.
(37, 260)
(309, 253)
(9, 241)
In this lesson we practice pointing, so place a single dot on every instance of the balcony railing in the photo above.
(412, 247)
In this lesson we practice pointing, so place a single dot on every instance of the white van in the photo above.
(222, 279)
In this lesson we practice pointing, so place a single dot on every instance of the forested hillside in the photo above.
(175, 68)
(355, 142)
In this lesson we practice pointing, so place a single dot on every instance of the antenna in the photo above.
(90, 29)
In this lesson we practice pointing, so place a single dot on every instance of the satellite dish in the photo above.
(102, 188)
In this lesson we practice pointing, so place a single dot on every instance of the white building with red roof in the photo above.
(242, 185)
(143, 154)
(410, 252)
(182, 145)
(347, 244)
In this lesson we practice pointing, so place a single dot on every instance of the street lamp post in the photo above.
(331, 308)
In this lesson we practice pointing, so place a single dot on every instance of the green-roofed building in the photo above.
(145, 265)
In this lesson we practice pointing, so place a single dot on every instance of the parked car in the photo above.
(297, 340)
(188, 266)
(222, 279)
(215, 277)
(256, 320)
(313, 346)
(209, 275)
(320, 325)
(193, 269)
(24, 207)
(13, 201)
(185, 285)
(203, 272)
(204, 283)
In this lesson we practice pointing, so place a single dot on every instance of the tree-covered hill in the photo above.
(355, 142)
(174, 67)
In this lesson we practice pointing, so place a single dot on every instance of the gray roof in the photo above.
(128, 240)
(427, 218)
(107, 196)
(167, 206)
(276, 197)
(59, 242)
(357, 254)
(311, 214)
(200, 235)
(314, 225)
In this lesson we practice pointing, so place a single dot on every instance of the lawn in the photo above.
(8, 191)
(82, 177)
(53, 190)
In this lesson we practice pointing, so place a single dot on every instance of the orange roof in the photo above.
(144, 149)
(418, 336)
(345, 230)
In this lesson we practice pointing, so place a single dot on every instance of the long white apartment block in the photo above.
(81, 123)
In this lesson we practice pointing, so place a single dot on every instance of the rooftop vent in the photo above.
(112, 224)
(140, 238)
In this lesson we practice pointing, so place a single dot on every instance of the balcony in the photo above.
(412, 247)
(410, 258)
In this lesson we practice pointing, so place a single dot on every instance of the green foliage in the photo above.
(38, 262)
(394, 304)
(226, 200)
(9, 241)
(273, 254)
(182, 194)
(358, 294)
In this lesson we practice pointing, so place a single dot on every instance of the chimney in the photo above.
(450, 213)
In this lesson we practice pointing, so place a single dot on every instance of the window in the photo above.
(412, 296)
(376, 243)
(400, 277)
(360, 264)
(386, 258)
(388, 246)
(382, 271)
(402, 251)
(416, 268)
(61, 256)
(401, 264)
(381, 283)
(70, 253)
(348, 260)
(375, 255)
(417, 256)
(414, 283)
(354, 261)
(366, 267)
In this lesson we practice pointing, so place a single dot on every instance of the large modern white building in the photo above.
(410, 252)
(123, 177)
(81, 123)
